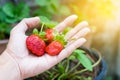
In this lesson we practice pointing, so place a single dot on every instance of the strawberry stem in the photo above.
(42, 27)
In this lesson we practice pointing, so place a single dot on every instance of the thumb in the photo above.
(25, 24)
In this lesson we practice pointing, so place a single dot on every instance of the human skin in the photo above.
(17, 63)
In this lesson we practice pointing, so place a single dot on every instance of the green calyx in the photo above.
(40, 33)
(60, 37)
(35, 31)
(46, 23)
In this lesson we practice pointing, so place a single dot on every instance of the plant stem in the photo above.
(62, 76)
(95, 64)
(54, 69)
(74, 67)
(67, 66)
(48, 72)
(55, 76)
(42, 27)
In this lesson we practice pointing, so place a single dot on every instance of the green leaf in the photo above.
(41, 2)
(4, 30)
(51, 9)
(42, 12)
(15, 13)
(11, 20)
(2, 15)
(8, 9)
(49, 24)
(22, 11)
(7, 31)
(44, 19)
(64, 10)
(89, 78)
(55, 4)
(35, 31)
(42, 34)
(61, 68)
(72, 57)
(84, 60)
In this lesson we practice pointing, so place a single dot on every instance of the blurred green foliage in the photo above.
(4, 30)
(49, 8)
(10, 14)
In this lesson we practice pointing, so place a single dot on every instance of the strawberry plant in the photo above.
(81, 65)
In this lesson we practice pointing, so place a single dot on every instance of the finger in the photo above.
(81, 33)
(67, 22)
(25, 24)
(68, 50)
(76, 29)
(78, 35)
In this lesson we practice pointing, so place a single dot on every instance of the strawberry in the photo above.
(54, 48)
(49, 35)
(35, 44)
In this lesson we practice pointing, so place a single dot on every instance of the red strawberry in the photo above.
(35, 44)
(49, 35)
(54, 48)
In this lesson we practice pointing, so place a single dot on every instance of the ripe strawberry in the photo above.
(54, 48)
(35, 44)
(49, 35)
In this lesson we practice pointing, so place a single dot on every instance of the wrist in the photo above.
(9, 69)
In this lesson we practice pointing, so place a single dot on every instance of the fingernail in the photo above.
(75, 16)
(37, 17)
(85, 22)
(86, 30)
(83, 40)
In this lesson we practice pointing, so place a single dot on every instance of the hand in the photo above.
(30, 65)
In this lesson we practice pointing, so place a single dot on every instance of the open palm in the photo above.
(31, 65)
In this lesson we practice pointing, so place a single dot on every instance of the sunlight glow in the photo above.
(96, 12)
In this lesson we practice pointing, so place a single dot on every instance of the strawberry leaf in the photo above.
(44, 19)
(84, 60)
(47, 22)
(61, 68)
(51, 24)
